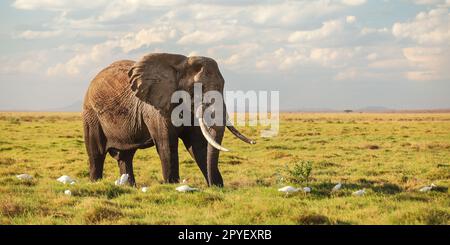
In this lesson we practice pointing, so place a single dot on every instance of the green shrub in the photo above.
(300, 173)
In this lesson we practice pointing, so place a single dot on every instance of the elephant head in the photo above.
(157, 76)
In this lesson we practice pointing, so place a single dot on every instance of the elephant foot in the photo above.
(216, 180)
(132, 182)
(216, 185)
(94, 177)
(172, 181)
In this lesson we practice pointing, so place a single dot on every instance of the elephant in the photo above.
(128, 107)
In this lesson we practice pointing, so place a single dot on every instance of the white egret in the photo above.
(337, 187)
(122, 180)
(66, 180)
(288, 189)
(359, 192)
(144, 189)
(68, 192)
(24, 177)
(427, 188)
(185, 188)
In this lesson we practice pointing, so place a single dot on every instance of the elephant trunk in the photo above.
(212, 159)
(214, 136)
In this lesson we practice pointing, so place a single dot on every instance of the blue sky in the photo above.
(319, 54)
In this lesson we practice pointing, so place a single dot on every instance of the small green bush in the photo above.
(300, 173)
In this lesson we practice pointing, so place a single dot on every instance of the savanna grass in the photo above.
(391, 155)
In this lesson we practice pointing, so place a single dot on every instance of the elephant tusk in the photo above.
(205, 132)
(238, 134)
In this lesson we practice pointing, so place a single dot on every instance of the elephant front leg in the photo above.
(205, 155)
(196, 145)
(167, 147)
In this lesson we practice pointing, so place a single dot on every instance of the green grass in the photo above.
(391, 155)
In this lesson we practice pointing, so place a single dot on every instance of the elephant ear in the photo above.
(155, 77)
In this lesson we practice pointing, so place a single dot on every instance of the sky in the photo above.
(334, 54)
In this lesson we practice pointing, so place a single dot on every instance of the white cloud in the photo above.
(102, 52)
(203, 37)
(57, 4)
(30, 63)
(368, 30)
(364, 75)
(301, 42)
(241, 55)
(98, 55)
(372, 56)
(429, 59)
(38, 34)
(292, 59)
(350, 19)
(328, 28)
(64, 22)
(288, 13)
(389, 64)
(272, 14)
(337, 58)
(347, 74)
(428, 63)
(262, 37)
(427, 28)
(281, 59)
(119, 8)
(145, 38)
(354, 2)
(112, 8)
(427, 2)
(324, 56)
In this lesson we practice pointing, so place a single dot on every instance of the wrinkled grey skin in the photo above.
(127, 107)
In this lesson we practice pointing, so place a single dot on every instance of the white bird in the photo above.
(337, 187)
(359, 192)
(66, 180)
(306, 189)
(288, 189)
(68, 192)
(144, 189)
(122, 180)
(185, 188)
(24, 176)
(427, 188)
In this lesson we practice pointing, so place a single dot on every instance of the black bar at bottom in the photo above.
(224, 233)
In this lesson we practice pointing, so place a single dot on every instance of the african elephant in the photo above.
(128, 107)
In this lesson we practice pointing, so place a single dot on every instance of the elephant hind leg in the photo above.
(95, 142)
(125, 162)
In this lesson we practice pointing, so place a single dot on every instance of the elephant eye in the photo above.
(197, 67)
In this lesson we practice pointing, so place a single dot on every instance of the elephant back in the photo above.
(109, 87)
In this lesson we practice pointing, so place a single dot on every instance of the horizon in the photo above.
(77, 107)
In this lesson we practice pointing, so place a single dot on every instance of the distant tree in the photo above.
(348, 111)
